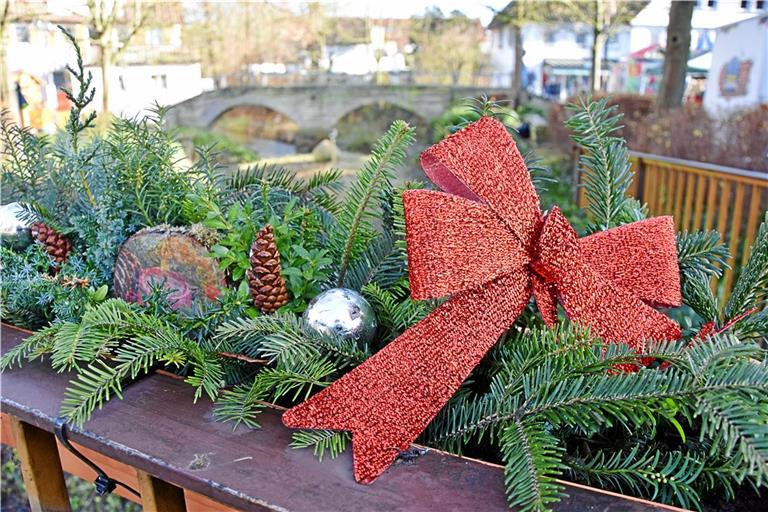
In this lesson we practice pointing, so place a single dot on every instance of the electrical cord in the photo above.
(104, 483)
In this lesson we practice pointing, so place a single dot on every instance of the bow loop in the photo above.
(455, 244)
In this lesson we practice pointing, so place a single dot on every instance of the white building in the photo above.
(738, 77)
(557, 57)
(133, 89)
(380, 55)
(37, 54)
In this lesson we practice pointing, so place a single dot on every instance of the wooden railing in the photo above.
(703, 196)
(172, 451)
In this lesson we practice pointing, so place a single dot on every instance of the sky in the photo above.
(481, 9)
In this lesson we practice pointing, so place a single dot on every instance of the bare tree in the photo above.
(676, 55)
(605, 17)
(5, 91)
(448, 47)
(516, 15)
(106, 16)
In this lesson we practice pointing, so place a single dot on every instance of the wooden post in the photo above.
(160, 496)
(40, 467)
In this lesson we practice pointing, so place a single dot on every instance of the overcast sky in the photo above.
(406, 8)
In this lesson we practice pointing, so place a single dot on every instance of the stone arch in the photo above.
(363, 122)
(256, 120)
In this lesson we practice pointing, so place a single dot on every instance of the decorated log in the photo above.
(171, 258)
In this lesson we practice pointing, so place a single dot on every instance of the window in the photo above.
(581, 38)
(154, 37)
(760, 5)
(744, 4)
(122, 82)
(712, 3)
(161, 81)
(22, 32)
(511, 38)
(549, 36)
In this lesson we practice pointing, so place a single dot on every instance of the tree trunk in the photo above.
(5, 79)
(598, 46)
(517, 74)
(106, 62)
(598, 43)
(676, 55)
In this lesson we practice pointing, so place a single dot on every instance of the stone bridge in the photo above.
(320, 107)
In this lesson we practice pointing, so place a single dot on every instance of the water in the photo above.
(267, 148)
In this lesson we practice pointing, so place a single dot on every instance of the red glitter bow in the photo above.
(487, 244)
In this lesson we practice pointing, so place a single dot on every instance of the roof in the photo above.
(656, 14)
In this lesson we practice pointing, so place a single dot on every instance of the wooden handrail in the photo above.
(705, 166)
(173, 444)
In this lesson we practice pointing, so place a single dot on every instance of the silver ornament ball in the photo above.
(14, 232)
(342, 312)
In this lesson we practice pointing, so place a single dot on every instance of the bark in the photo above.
(676, 55)
(517, 74)
(598, 43)
(105, 62)
(5, 79)
(598, 47)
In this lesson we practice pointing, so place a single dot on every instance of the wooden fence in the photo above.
(703, 196)
(179, 459)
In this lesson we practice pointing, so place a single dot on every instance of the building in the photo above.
(738, 77)
(557, 55)
(153, 67)
(648, 38)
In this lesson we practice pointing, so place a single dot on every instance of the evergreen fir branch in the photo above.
(701, 254)
(395, 310)
(322, 441)
(467, 418)
(751, 289)
(738, 427)
(25, 162)
(605, 164)
(241, 405)
(85, 94)
(284, 339)
(380, 263)
(373, 180)
(668, 476)
(144, 341)
(30, 348)
(697, 294)
(532, 462)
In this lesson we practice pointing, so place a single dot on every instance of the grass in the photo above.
(82, 494)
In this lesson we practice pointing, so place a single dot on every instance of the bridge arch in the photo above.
(360, 126)
(248, 121)
(318, 107)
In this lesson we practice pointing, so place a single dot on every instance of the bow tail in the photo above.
(613, 313)
(386, 402)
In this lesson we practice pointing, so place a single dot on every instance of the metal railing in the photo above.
(703, 196)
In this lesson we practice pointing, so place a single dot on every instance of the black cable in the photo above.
(104, 483)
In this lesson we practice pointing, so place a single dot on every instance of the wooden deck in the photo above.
(157, 436)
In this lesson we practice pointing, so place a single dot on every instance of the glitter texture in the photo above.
(485, 242)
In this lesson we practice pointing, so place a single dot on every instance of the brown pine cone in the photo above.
(264, 278)
(56, 245)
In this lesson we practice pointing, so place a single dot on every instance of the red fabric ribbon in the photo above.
(487, 244)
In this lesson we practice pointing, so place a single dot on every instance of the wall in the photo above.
(134, 89)
(739, 74)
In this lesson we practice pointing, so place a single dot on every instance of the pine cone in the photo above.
(55, 244)
(264, 278)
